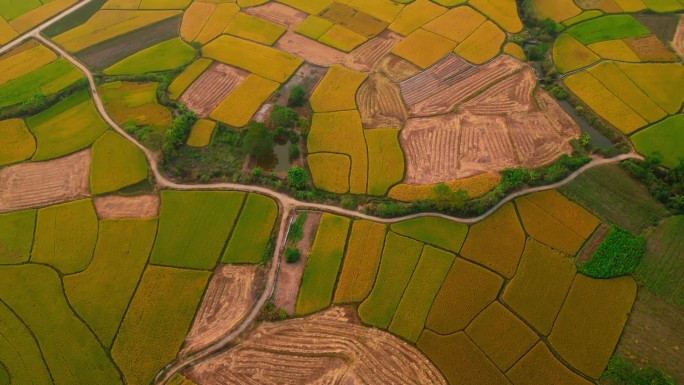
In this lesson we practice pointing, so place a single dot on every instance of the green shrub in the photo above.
(297, 97)
(619, 254)
(297, 177)
(622, 372)
(296, 229)
(258, 141)
(283, 116)
(292, 255)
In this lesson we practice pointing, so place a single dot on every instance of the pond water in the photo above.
(597, 139)
(279, 161)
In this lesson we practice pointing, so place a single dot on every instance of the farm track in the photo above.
(287, 204)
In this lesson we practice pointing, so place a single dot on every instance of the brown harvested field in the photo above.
(142, 206)
(501, 128)
(650, 49)
(326, 348)
(653, 335)
(364, 57)
(442, 100)
(309, 50)
(39, 184)
(101, 56)
(278, 13)
(678, 39)
(380, 104)
(443, 74)
(209, 90)
(396, 68)
(227, 301)
(290, 274)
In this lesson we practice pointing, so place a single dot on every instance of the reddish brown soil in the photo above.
(364, 57)
(309, 50)
(650, 48)
(228, 300)
(440, 76)
(326, 348)
(500, 128)
(654, 335)
(593, 243)
(277, 13)
(205, 93)
(40, 184)
(263, 113)
(396, 68)
(442, 100)
(678, 40)
(290, 274)
(143, 206)
(380, 104)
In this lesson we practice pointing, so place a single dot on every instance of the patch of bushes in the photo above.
(282, 116)
(178, 134)
(292, 255)
(622, 372)
(297, 97)
(619, 254)
(665, 185)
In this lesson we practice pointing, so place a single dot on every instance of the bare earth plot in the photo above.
(141, 206)
(209, 90)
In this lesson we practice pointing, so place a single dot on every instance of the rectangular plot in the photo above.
(249, 240)
(210, 88)
(16, 236)
(438, 232)
(238, 108)
(412, 311)
(325, 257)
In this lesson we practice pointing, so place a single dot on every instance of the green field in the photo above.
(16, 236)
(323, 264)
(9, 9)
(101, 293)
(46, 80)
(65, 236)
(608, 28)
(68, 126)
(662, 266)
(157, 321)
(71, 351)
(432, 268)
(611, 194)
(436, 231)
(116, 163)
(194, 227)
(250, 239)
(665, 138)
(168, 55)
(399, 259)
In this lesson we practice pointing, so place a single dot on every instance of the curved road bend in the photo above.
(288, 205)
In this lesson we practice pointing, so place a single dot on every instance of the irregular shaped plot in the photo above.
(416, 15)
(661, 82)
(365, 57)
(502, 12)
(436, 231)
(116, 163)
(200, 135)
(330, 172)
(238, 108)
(253, 28)
(614, 50)
(423, 48)
(559, 11)
(16, 236)
(385, 159)
(212, 87)
(380, 103)
(18, 144)
(483, 45)
(457, 24)
(249, 241)
(539, 366)
(20, 354)
(476, 186)
(165, 56)
(337, 90)
(569, 54)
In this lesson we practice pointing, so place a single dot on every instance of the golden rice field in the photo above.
(240, 105)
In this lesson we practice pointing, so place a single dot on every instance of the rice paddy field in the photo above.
(146, 239)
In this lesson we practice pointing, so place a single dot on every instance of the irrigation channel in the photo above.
(287, 205)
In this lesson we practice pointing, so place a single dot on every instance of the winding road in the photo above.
(287, 204)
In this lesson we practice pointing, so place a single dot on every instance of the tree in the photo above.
(283, 116)
(445, 199)
(258, 140)
(292, 255)
(297, 97)
(297, 177)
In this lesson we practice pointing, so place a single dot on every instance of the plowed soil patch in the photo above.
(462, 85)
(209, 90)
(279, 14)
(143, 206)
(45, 183)
(228, 299)
(325, 348)
(380, 103)
(396, 68)
(309, 50)
(501, 128)
(439, 77)
(650, 48)
(290, 274)
(367, 55)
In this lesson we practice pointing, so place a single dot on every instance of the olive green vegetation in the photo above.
(115, 163)
(607, 28)
(249, 241)
(101, 293)
(438, 232)
(16, 236)
(297, 228)
(614, 196)
(65, 236)
(662, 267)
(164, 56)
(619, 254)
(323, 264)
(71, 351)
(399, 259)
(665, 137)
(20, 356)
(157, 321)
(68, 126)
(432, 268)
(621, 371)
(46, 80)
(10, 9)
(194, 227)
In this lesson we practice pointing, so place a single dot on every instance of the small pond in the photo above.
(279, 161)
(597, 139)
